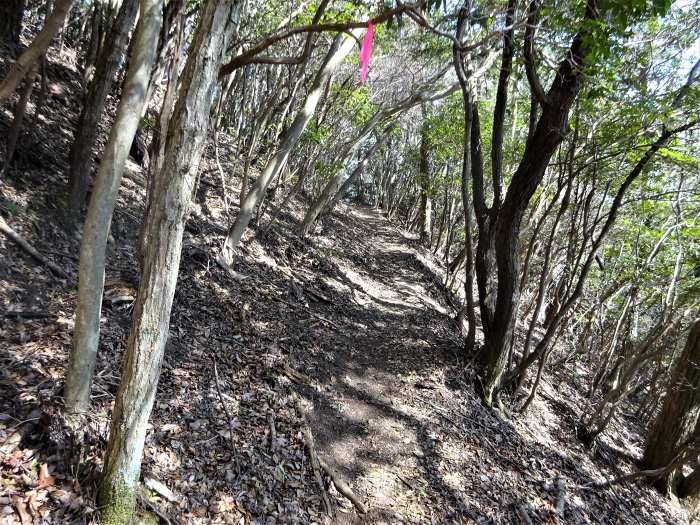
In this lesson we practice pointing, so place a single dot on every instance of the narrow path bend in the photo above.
(371, 411)
(393, 413)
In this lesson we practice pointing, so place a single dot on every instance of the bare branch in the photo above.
(528, 52)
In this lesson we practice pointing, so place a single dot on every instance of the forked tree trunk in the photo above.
(549, 132)
(173, 190)
(677, 423)
(341, 47)
(11, 13)
(86, 131)
(99, 217)
(37, 48)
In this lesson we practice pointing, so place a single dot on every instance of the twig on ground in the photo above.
(273, 430)
(343, 487)
(228, 415)
(22, 243)
(315, 463)
(524, 516)
(561, 497)
(152, 507)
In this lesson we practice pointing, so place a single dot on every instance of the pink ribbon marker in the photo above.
(366, 52)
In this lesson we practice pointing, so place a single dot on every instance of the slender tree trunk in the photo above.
(677, 423)
(160, 134)
(426, 200)
(336, 189)
(99, 216)
(93, 107)
(11, 13)
(467, 154)
(173, 191)
(37, 48)
(549, 132)
(341, 47)
(17, 120)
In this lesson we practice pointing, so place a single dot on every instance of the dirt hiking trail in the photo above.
(393, 413)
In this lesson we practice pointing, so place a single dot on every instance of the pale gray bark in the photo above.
(427, 92)
(173, 190)
(341, 47)
(335, 189)
(99, 216)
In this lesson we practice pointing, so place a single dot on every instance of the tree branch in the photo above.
(528, 52)
(249, 57)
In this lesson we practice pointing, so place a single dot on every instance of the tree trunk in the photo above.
(359, 169)
(336, 188)
(99, 216)
(341, 47)
(38, 47)
(426, 202)
(467, 154)
(17, 120)
(86, 131)
(173, 191)
(549, 132)
(677, 423)
(11, 13)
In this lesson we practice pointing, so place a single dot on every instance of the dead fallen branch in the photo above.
(339, 483)
(311, 448)
(228, 416)
(22, 243)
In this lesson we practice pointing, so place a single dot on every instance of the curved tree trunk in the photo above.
(173, 191)
(341, 47)
(548, 134)
(38, 47)
(99, 217)
(336, 188)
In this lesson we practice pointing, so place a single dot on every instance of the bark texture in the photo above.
(173, 190)
(38, 47)
(99, 216)
(551, 128)
(677, 423)
(93, 107)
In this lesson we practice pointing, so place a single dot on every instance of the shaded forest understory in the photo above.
(356, 320)
(349, 262)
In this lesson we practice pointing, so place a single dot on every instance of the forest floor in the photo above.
(354, 320)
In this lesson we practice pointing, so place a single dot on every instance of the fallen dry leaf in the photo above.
(45, 480)
(21, 509)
